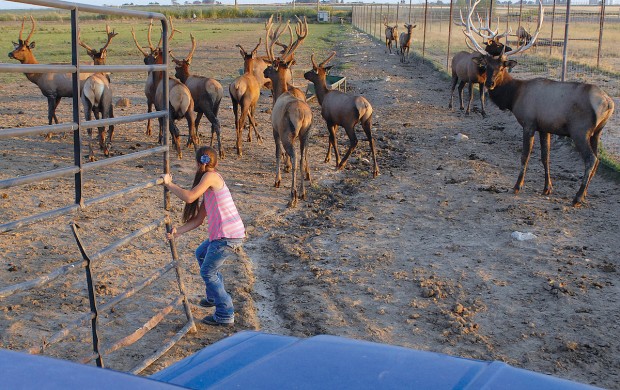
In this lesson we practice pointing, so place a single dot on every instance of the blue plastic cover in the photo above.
(254, 360)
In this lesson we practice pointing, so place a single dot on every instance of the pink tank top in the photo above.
(222, 215)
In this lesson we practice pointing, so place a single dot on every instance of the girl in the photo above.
(226, 230)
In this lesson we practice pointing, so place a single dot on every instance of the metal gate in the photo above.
(79, 170)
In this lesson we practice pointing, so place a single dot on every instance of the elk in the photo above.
(54, 86)
(97, 95)
(469, 72)
(291, 117)
(573, 109)
(341, 109)
(206, 92)
(391, 34)
(523, 37)
(180, 102)
(405, 42)
(244, 93)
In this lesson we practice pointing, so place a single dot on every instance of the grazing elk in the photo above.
(391, 35)
(291, 117)
(206, 92)
(405, 42)
(341, 109)
(97, 95)
(468, 72)
(54, 86)
(523, 37)
(573, 109)
(180, 102)
(244, 93)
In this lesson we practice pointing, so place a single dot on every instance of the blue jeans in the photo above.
(211, 256)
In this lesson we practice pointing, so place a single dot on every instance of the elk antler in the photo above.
(302, 32)
(322, 64)
(541, 13)
(85, 46)
(110, 36)
(31, 31)
(172, 31)
(133, 34)
(148, 36)
(469, 28)
(272, 37)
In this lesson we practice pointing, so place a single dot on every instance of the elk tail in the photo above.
(364, 109)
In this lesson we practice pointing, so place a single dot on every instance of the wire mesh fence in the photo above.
(590, 34)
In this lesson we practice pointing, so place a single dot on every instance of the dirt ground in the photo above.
(422, 256)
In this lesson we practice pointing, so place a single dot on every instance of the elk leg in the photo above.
(594, 140)
(332, 128)
(352, 144)
(197, 122)
(461, 87)
(528, 143)
(252, 120)
(276, 138)
(470, 87)
(149, 126)
(193, 136)
(240, 126)
(176, 135)
(545, 139)
(290, 150)
(591, 162)
(481, 89)
(88, 117)
(366, 125)
(455, 78)
(56, 103)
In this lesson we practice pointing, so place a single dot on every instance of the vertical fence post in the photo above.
(552, 26)
(565, 49)
(397, 9)
(425, 19)
(449, 35)
(520, 13)
(507, 21)
(77, 139)
(374, 25)
(600, 34)
(409, 22)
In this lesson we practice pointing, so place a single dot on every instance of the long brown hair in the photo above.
(191, 209)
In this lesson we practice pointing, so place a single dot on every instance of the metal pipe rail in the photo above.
(80, 167)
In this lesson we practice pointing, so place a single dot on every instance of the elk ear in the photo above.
(510, 64)
(15, 45)
(328, 68)
(414, 26)
(31, 45)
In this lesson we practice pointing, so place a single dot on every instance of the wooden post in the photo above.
(552, 25)
(600, 34)
(425, 19)
(565, 49)
(449, 35)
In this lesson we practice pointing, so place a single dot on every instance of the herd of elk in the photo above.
(391, 35)
(54, 86)
(97, 95)
(579, 110)
(180, 102)
(244, 93)
(341, 109)
(405, 42)
(291, 117)
(206, 92)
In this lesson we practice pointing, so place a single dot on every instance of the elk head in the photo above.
(320, 71)
(23, 48)
(99, 57)
(491, 38)
(249, 57)
(155, 54)
(182, 66)
(279, 68)
(497, 67)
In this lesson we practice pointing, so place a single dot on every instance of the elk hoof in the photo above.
(277, 184)
(547, 191)
(292, 203)
(375, 173)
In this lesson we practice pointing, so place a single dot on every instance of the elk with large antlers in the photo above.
(206, 92)
(341, 109)
(291, 117)
(391, 35)
(53, 86)
(180, 102)
(244, 93)
(405, 42)
(97, 95)
(573, 109)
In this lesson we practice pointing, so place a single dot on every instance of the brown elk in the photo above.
(291, 117)
(206, 92)
(97, 95)
(573, 109)
(405, 42)
(391, 35)
(341, 109)
(244, 93)
(54, 86)
(180, 102)
(523, 37)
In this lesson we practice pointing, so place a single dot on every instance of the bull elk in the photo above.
(97, 95)
(180, 102)
(54, 86)
(391, 35)
(244, 93)
(341, 109)
(291, 117)
(573, 109)
(206, 92)
(405, 42)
